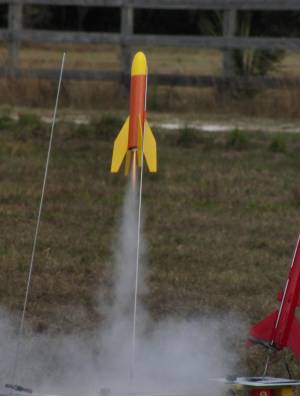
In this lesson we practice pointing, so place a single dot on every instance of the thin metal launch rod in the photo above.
(21, 328)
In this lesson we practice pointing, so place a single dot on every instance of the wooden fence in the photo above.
(15, 34)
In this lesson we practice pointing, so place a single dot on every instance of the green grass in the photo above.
(237, 139)
(278, 144)
(221, 221)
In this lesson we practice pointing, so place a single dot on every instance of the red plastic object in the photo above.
(260, 392)
(281, 328)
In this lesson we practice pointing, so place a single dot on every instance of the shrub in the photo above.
(5, 122)
(246, 62)
(278, 144)
(236, 139)
(108, 126)
(29, 121)
(30, 125)
(187, 137)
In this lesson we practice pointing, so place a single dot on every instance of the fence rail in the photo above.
(266, 5)
(15, 34)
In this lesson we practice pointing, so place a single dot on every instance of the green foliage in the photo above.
(237, 140)
(84, 130)
(6, 122)
(30, 125)
(108, 126)
(256, 62)
(253, 62)
(248, 62)
(187, 137)
(278, 144)
(30, 121)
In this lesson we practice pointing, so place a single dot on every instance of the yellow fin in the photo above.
(120, 147)
(150, 151)
(140, 143)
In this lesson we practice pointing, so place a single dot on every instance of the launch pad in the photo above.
(262, 382)
(262, 386)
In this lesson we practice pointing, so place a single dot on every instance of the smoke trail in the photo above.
(172, 355)
(175, 357)
(125, 258)
(117, 337)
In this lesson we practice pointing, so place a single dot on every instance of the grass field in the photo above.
(221, 221)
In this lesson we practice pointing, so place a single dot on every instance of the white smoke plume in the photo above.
(172, 356)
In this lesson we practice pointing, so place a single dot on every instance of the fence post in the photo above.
(126, 30)
(15, 11)
(229, 30)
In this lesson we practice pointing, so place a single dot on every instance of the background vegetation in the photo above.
(283, 102)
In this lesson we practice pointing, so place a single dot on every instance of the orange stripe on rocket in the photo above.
(129, 141)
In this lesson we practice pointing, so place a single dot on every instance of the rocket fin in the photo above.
(280, 297)
(120, 147)
(127, 163)
(262, 332)
(294, 338)
(150, 148)
(140, 143)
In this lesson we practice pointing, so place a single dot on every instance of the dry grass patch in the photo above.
(219, 221)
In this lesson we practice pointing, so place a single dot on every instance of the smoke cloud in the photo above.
(171, 356)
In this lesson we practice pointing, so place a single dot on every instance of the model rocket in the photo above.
(281, 328)
(135, 137)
